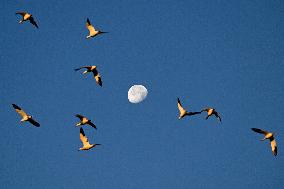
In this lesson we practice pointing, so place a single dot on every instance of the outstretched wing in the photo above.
(273, 146)
(80, 116)
(180, 108)
(259, 131)
(19, 110)
(32, 21)
(83, 138)
(93, 125)
(32, 121)
(205, 109)
(218, 116)
(192, 113)
(88, 67)
(90, 27)
(21, 13)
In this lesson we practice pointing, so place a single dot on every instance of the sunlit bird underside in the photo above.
(95, 72)
(27, 17)
(92, 31)
(85, 141)
(270, 137)
(25, 116)
(84, 121)
(183, 112)
(210, 112)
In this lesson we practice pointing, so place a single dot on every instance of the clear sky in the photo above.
(225, 54)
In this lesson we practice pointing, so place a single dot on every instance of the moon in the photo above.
(137, 93)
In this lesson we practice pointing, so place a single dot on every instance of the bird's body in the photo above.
(95, 72)
(84, 121)
(87, 147)
(25, 116)
(183, 112)
(92, 31)
(27, 17)
(270, 137)
(85, 141)
(210, 112)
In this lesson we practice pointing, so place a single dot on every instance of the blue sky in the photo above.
(224, 54)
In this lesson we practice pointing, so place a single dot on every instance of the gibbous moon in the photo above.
(137, 93)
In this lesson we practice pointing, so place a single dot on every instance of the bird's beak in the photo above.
(101, 32)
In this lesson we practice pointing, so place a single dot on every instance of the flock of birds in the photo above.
(211, 111)
(93, 69)
(89, 69)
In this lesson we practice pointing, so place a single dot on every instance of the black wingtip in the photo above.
(37, 125)
(15, 106)
(82, 131)
(102, 32)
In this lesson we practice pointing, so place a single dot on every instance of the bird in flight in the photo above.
(210, 112)
(25, 116)
(84, 121)
(270, 136)
(95, 72)
(183, 112)
(92, 31)
(26, 16)
(85, 141)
